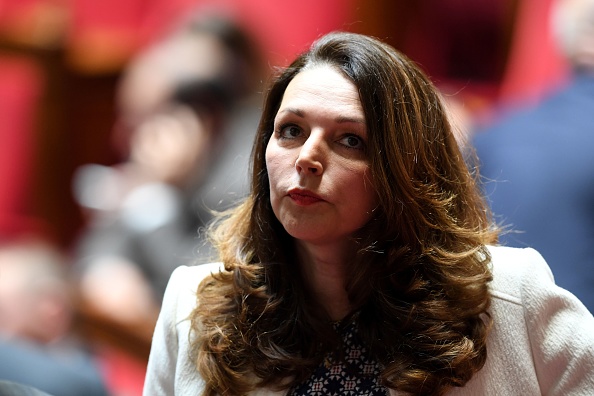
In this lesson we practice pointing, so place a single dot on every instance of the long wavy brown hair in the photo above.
(419, 279)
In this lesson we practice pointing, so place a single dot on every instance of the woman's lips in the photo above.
(304, 198)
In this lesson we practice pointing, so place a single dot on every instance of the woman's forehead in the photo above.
(322, 85)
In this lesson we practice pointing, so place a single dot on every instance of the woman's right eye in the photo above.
(289, 131)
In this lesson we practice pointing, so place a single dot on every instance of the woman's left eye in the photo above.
(352, 142)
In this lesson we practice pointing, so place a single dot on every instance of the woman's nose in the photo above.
(310, 157)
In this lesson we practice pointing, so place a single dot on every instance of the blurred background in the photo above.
(77, 123)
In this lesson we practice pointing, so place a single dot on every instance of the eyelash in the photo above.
(361, 142)
(282, 127)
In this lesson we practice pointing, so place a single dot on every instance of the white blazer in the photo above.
(542, 341)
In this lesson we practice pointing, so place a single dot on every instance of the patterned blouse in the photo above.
(355, 374)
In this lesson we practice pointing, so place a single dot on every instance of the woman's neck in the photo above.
(324, 269)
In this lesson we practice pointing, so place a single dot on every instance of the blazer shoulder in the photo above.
(191, 274)
(516, 268)
(180, 295)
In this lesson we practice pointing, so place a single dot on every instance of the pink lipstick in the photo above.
(304, 197)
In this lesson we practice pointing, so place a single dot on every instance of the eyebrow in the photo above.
(339, 119)
(342, 119)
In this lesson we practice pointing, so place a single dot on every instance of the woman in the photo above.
(362, 262)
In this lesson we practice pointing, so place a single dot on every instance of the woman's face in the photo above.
(317, 159)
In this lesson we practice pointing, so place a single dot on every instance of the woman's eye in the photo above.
(352, 141)
(289, 131)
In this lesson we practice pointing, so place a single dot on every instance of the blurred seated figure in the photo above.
(38, 346)
(539, 166)
(175, 102)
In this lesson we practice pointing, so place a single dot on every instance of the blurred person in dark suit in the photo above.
(538, 164)
(175, 102)
(38, 346)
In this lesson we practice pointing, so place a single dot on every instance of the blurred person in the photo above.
(38, 346)
(538, 164)
(175, 103)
